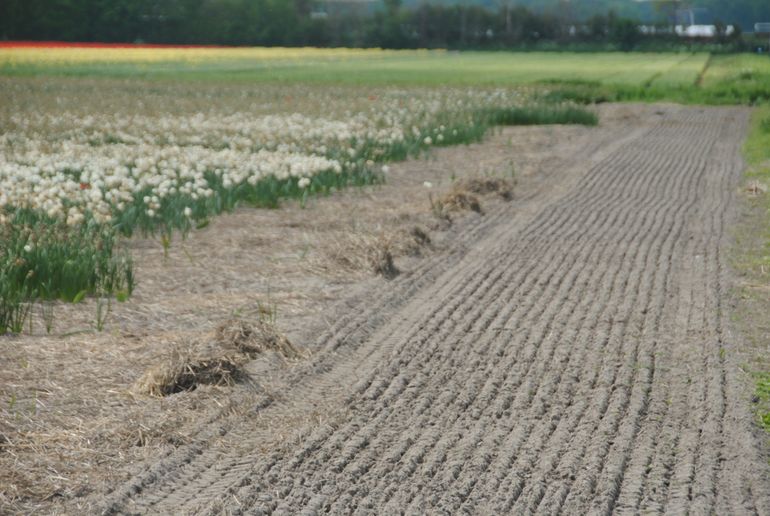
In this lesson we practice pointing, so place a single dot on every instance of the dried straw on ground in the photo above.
(217, 360)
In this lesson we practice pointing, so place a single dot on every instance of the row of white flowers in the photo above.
(71, 163)
(384, 122)
(70, 179)
(283, 132)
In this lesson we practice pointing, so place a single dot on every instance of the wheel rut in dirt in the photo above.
(574, 359)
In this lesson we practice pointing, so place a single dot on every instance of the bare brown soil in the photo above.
(568, 350)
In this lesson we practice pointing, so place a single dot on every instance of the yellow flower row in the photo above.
(80, 55)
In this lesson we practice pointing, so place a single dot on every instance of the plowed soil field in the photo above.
(571, 353)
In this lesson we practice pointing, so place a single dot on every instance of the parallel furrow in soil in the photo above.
(568, 356)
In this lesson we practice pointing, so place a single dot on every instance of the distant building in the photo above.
(702, 31)
(762, 29)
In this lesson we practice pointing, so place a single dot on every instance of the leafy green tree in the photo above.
(625, 33)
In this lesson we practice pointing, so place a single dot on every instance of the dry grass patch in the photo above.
(486, 186)
(381, 260)
(374, 252)
(756, 188)
(183, 370)
(464, 196)
(458, 199)
(414, 241)
(254, 338)
(359, 252)
(218, 359)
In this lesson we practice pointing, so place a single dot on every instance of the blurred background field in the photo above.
(684, 77)
(358, 66)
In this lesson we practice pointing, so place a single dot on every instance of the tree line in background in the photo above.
(311, 23)
(742, 12)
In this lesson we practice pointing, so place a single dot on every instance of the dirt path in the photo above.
(576, 357)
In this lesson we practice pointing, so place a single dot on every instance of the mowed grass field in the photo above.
(683, 77)
(357, 66)
(413, 67)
